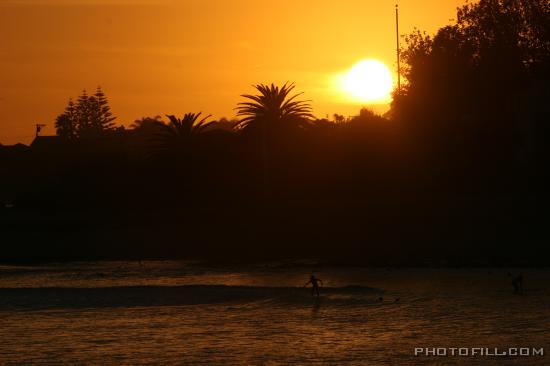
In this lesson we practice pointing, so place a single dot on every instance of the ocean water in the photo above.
(185, 313)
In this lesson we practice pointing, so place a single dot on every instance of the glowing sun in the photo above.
(368, 81)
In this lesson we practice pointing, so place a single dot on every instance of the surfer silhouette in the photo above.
(314, 284)
(518, 284)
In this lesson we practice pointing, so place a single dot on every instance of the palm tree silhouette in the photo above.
(273, 106)
(273, 109)
(179, 135)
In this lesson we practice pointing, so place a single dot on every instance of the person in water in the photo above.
(314, 284)
(518, 284)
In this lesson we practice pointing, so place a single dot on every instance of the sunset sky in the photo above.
(156, 57)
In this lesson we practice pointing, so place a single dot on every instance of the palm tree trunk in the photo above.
(265, 159)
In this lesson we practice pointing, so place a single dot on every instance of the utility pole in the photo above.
(398, 51)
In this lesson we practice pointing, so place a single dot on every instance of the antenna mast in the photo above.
(398, 51)
(39, 127)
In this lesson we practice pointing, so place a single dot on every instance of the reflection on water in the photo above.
(185, 313)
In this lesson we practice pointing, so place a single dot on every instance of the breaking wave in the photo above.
(133, 296)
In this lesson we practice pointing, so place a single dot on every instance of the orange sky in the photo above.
(175, 56)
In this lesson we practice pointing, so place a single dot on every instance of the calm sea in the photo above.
(184, 313)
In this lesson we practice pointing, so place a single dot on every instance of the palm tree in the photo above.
(179, 134)
(273, 106)
(272, 109)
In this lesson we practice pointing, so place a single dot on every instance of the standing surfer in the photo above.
(314, 284)
(518, 284)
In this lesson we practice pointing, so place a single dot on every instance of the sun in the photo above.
(368, 81)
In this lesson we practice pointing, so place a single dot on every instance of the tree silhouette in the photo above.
(90, 117)
(146, 123)
(477, 67)
(102, 118)
(273, 107)
(339, 118)
(179, 135)
(469, 87)
(273, 110)
(65, 123)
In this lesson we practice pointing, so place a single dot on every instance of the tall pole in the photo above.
(398, 51)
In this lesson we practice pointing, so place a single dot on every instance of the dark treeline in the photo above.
(455, 173)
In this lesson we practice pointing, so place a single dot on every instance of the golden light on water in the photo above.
(367, 81)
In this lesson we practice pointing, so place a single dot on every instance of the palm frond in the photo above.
(178, 133)
(272, 105)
